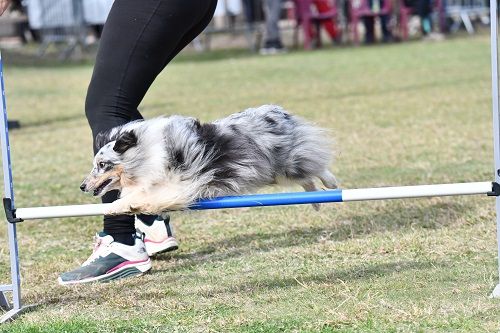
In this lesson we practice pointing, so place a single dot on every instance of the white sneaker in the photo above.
(434, 36)
(158, 237)
(110, 261)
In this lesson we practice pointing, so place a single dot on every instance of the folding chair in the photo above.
(308, 19)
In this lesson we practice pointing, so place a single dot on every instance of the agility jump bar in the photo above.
(279, 199)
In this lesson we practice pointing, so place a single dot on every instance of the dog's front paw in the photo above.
(113, 211)
(117, 208)
(137, 208)
(144, 208)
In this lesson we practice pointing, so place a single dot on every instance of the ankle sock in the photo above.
(150, 219)
(147, 219)
(124, 238)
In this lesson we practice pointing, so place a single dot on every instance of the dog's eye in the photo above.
(102, 165)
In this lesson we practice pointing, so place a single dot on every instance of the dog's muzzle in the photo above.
(98, 190)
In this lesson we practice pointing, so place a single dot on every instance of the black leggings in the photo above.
(139, 39)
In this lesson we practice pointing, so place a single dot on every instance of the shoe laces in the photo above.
(97, 243)
(95, 252)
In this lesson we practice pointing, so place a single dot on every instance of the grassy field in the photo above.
(414, 113)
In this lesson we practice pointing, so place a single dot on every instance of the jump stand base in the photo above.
(496, 292)
(14, 313)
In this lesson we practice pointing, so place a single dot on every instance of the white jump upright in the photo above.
(14, 287)
(496, 121)
(14, 215)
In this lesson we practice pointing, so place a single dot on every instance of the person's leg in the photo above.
(369, 22)
(272, 10)
(139, 39)
(424, 10)
(384, 24)
(323, 6)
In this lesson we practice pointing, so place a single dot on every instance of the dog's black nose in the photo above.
(82, 187)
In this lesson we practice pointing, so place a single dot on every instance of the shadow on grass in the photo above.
(432, 216)
(251, 285)
(376, 91)
(151, 110)
(338, 276)
(50, 121)
(28, 57)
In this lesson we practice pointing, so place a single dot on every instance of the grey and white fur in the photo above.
(168, 163)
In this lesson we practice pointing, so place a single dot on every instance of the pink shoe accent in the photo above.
(147, 240)
(125, 264)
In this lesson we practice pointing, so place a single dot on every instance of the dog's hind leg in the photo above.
(328, 179)
(309, 186)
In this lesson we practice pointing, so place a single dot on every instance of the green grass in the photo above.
(413, 113)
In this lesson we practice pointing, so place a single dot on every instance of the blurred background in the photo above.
(70, 29)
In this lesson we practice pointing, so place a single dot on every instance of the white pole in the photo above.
(496, 119)
(380, 193)
(49, 212)
(417, 191)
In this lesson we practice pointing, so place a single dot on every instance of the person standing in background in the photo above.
(324, 6)
(272, 42)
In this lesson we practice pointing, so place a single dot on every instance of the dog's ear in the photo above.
(196, 124)
(125, 141)
(102, 139)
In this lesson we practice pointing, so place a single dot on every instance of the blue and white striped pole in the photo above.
(278, 199)
(364, 194)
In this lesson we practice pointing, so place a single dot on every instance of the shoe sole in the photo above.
(152, 248)
(272, 52)
(122, 272)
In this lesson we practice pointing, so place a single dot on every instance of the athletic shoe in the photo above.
(434, 36)
(158, 237)
(110, 261)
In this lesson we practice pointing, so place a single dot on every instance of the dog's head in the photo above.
(107, 173)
